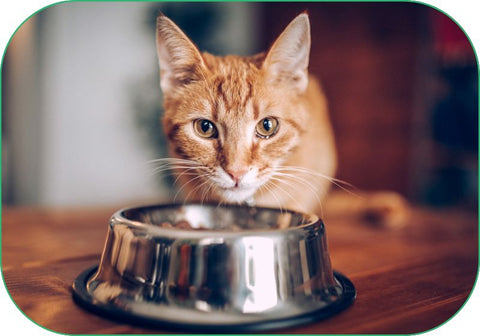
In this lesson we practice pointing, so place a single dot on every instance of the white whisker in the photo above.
(272, 192)
(171, 170)
(206, 191)
(187, 172)
(174, 160)
(312, 172)
(285, 191)
(301, 180)
(297, 179)
(181, 168)
(339, 183)
(196, 188)
(183, 186)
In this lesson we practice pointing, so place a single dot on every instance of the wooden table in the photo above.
(408, 280)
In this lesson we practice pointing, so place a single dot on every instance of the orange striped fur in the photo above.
(292, 167)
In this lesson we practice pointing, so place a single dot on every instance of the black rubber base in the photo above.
(85, 300)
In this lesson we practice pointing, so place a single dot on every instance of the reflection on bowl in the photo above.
(237, 267)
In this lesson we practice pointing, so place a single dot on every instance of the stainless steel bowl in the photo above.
(237, 268)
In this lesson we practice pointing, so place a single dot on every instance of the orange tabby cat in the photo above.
(247, 129)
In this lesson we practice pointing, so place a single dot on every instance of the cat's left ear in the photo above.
(287, 60)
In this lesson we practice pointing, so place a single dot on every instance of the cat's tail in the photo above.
(379, 208)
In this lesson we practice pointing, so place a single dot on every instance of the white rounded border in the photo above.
(13, 13)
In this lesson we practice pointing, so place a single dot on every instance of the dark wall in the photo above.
(378, 67)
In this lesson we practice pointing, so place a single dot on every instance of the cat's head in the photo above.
(234, 118)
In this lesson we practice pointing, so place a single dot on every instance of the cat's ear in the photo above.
(179, 59)
(287, 59)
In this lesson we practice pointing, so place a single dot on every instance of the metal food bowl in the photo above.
(214, 268)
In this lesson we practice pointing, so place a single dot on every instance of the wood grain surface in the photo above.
(408, 280)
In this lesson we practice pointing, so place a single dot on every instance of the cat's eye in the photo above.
(267, 127)
(205, 128)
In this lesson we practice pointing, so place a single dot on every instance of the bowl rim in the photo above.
(118, 218)
(84, 298)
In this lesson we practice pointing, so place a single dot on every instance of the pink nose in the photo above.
(236, 175)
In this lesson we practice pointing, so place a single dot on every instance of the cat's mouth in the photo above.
(235, 187)
(236, 194)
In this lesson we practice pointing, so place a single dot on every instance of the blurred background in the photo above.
(81, 102)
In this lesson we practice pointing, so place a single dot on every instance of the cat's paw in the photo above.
(385, 209)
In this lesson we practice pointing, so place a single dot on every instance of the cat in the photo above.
(247, 129)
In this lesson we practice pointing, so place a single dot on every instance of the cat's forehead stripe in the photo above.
(232, 85)
(234, 92)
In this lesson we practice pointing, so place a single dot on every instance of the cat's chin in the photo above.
(236, 195)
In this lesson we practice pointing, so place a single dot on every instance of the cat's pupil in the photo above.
(206, 126)
(267, 124)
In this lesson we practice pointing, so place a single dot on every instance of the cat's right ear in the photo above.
(179, 59)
